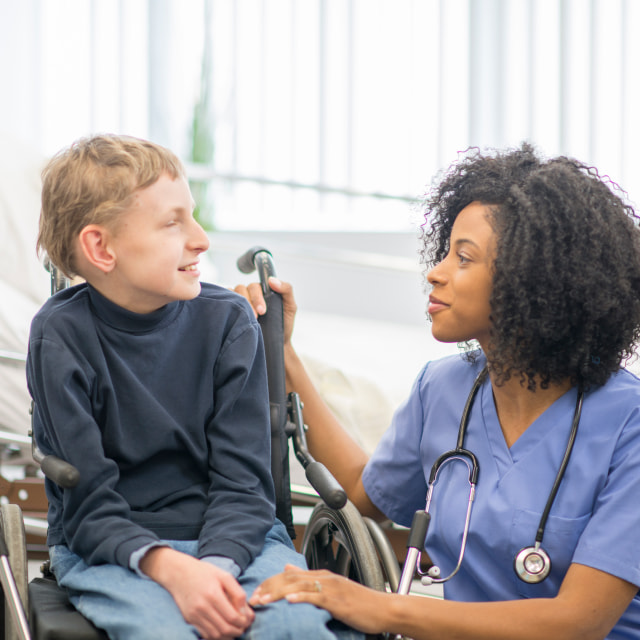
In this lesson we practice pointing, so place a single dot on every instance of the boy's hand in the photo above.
(209, 598)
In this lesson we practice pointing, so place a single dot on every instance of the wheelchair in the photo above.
(336, 537)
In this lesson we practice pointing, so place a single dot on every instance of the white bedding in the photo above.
(24, 284)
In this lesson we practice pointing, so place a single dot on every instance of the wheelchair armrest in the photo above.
(62, 473)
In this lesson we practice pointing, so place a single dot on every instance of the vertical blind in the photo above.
(328, 114)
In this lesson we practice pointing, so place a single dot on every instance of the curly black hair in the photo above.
(565, 302)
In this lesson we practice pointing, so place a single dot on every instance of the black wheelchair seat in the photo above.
(53, 617)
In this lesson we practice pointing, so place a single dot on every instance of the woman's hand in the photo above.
(357, 606)
(253, 293)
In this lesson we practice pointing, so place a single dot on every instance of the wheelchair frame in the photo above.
(336, 536)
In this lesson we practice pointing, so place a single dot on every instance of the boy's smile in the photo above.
(156, 245)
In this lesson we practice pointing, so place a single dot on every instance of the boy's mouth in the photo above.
(189, 267)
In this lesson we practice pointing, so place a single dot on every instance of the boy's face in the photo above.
(156, 245)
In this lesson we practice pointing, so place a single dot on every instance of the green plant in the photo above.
(202, 130)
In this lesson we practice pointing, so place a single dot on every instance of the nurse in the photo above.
(534, 265)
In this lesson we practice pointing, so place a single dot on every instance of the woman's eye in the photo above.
(462, 259)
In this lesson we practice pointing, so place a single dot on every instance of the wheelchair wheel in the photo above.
(385, 553)
(338, 540)
(13, 529)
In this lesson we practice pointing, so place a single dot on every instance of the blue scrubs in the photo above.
(595, 518)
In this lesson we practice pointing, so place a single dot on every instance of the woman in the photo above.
(536, 265)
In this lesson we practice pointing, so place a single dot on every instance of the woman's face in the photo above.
(461, 283)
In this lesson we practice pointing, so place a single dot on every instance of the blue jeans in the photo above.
(129, 607)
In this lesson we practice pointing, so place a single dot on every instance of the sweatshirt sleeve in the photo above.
(241, 506)
(93, 518)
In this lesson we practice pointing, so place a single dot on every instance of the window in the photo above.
(328, 114)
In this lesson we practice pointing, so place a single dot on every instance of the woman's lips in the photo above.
(435, 305)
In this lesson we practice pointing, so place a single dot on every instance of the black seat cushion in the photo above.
(53, 617)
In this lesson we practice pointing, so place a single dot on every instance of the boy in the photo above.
(154, 386)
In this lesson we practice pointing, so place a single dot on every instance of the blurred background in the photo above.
(311, 127)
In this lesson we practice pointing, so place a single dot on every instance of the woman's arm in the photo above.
(587, 607)
(328, 441)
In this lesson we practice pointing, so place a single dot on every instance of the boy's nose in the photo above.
(199, 238)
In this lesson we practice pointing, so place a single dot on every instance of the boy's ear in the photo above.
(94, 245)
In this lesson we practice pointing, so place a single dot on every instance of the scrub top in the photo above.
(595, 518)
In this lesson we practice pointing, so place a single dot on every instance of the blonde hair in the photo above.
(92, 182)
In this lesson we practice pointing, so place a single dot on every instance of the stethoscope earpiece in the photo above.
(532, 564)
(431, 576)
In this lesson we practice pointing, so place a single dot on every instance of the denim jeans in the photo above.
(129, 607)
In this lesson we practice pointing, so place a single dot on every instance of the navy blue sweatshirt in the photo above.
(166, 417)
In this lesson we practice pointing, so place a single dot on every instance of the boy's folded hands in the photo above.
(209, 598)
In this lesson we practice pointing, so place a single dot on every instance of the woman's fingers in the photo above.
(253, 293)
(293, 580)
(357, 606)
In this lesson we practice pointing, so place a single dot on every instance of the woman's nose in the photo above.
(436, 275)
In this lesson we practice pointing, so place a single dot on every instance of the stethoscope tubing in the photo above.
(412, 562)
(563, 467)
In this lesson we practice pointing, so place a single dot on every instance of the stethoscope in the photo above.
(532, 564)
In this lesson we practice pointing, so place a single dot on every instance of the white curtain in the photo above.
(325, 114)
(338, 97)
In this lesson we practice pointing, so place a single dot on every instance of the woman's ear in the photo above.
(94, 244)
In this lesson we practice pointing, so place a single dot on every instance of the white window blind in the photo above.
(328, 114)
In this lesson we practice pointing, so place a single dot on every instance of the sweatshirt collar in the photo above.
(120, 318)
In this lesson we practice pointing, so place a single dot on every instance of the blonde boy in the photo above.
(154, 386)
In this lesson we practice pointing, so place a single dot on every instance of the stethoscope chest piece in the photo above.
(532, 564)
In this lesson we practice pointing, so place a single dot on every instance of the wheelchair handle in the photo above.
(62, 473)
(319, 477)
(58, 280)
(272, 324)
(418, 531)
(326, 485)
(260, 259)
(65, 475)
